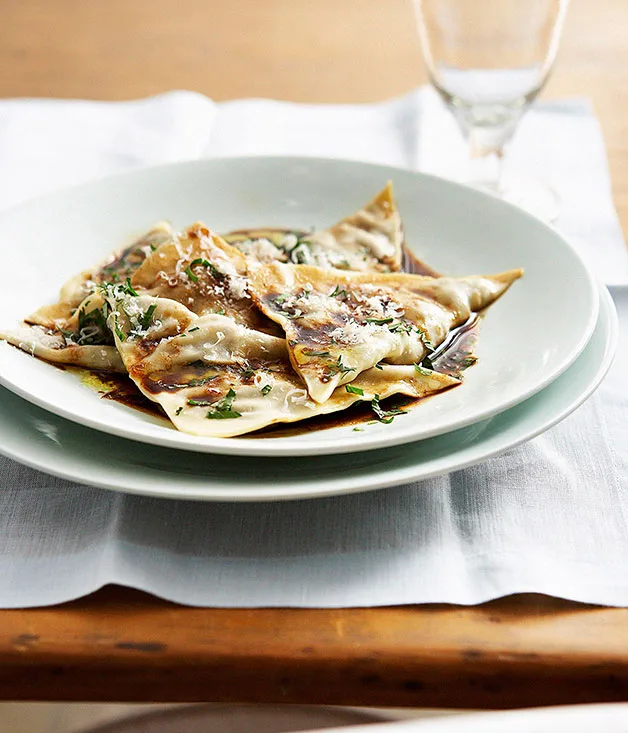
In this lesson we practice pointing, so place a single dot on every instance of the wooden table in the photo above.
(122, 645)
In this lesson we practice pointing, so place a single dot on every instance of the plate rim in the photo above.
(237, 446)
(393, 477)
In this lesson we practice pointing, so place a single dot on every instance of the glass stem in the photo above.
(486, 156)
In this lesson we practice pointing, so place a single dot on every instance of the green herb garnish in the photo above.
(299, 253)
(201, 380)
(315, 353)
(354, 390)
(427, 363)
(148, 316)
(266, 389)
(402, 327)
(385, 416)
(222, 410)
(119, 332)
(190, 274)
(205, 263)
(128, 288)
(379, 366)
(339, 368)
(191, 330)
(426, 341)
(338, 293)
(380, 321)
(179, 409)
(421, 370)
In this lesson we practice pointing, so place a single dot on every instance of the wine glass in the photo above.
(488, 60)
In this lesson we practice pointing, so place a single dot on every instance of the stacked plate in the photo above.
(543, 348)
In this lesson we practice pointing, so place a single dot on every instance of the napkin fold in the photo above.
(46, 144)
(550, 516)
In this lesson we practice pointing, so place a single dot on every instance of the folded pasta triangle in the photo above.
(51, 345)
(338, 324)
(204, 273)
(215, 377)
(371, 239)
(117, 267)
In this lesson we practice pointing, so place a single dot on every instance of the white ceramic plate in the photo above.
(609, 718)
(527, 339)
(43, 440)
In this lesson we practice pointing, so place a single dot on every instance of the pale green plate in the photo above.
(531, 336)
(42, 440)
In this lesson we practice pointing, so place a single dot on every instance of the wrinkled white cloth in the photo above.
(550, 516)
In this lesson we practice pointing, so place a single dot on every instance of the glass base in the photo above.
(535, 197)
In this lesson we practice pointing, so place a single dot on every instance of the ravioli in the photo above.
(50, 345)
(117, 267)
(74, 330)
(338, 324)
(272, 326)
(215, 377)
(200, 270)
(371, 239)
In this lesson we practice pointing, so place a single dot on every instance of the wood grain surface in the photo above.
(122, 645)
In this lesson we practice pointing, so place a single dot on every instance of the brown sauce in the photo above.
(452, 357)
(411, 263)
(119, 388)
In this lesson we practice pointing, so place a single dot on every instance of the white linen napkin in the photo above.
(550, 516)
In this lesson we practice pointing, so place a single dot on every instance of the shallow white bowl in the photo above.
(528, 338)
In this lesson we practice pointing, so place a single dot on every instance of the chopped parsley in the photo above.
(354, 390)
(266, 389)
(379, 366)
(426, 341)
(204, 263)
(380, 321)
(128, 288)
(300, 254)
(314, 353)
(248, 371)
(119, 332)
(223, 409)
(201, 380)
(92, 327)
(190, 274)
(358, 429)
(385, 416)
(402, 327)
(338, 293)
(467, 362)
(339, 368)
(148, 316)
(199, 403)
(423, 370)
(179, 409)
(191, 330)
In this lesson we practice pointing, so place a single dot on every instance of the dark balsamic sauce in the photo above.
(452, 357)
